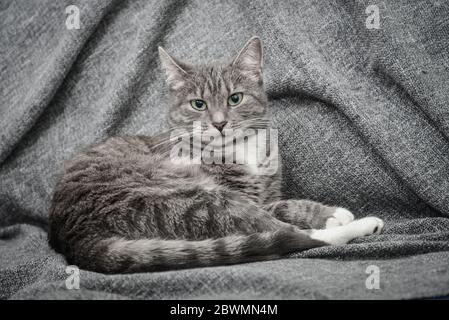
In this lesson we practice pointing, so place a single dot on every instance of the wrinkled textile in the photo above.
(363, 122)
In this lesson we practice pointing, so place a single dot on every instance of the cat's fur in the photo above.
(124, 206)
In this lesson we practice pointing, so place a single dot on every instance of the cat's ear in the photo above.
(249, 61)
(176, 72)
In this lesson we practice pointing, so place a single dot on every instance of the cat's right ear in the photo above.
(176, 72)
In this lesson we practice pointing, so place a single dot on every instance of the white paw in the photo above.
(368, 226)
(340, 217)
(343, 234)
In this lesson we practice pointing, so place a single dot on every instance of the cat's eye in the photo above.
(235, 99)
(198, 104)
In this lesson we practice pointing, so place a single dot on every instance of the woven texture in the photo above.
(363, 123)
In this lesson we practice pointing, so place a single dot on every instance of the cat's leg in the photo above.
(347, 230)
(308, 214)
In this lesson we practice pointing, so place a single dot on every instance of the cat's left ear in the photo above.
(176, 71)
(249, 60)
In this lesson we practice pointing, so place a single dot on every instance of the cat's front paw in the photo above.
(340, 217)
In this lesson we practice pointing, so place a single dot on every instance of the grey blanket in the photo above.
(363, 122)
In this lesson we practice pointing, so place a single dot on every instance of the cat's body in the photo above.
(124, 205)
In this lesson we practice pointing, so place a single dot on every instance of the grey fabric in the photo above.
(362, 115)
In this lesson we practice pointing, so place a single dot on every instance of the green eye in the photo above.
(235, 99)
(198, 104)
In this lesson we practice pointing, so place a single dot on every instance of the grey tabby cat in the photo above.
(124, 206)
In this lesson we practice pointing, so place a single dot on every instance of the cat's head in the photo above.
(220, 96)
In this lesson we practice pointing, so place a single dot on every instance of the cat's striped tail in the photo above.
(125, 256)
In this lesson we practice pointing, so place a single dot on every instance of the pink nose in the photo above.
(220, 125)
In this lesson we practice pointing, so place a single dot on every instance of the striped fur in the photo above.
(126, 256)
(123, 206)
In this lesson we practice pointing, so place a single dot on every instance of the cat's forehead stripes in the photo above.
(213, 82)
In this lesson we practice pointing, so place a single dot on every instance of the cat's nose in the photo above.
(219, 125)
